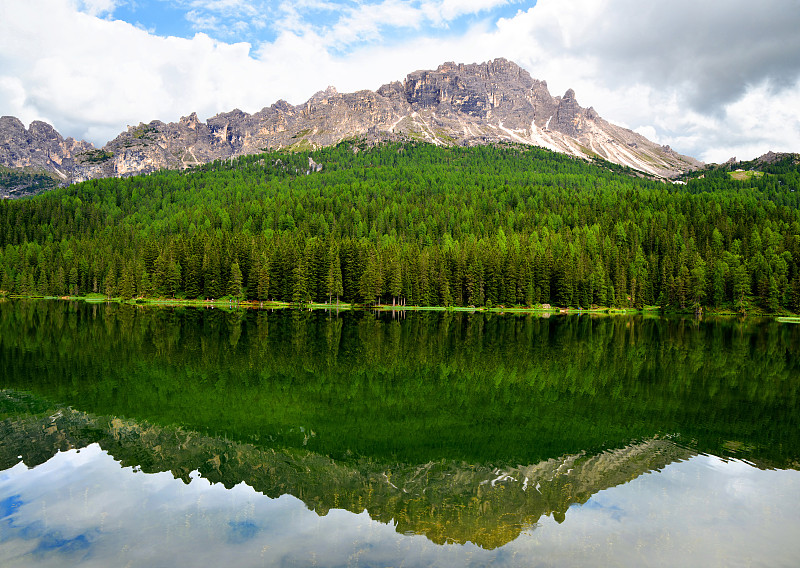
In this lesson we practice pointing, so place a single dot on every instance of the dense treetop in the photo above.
(415, 224)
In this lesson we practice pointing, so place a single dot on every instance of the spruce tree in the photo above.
(58, 285)
(126, 283)
(235, 281)
(262, 290)
(300, 293)
(110, 283)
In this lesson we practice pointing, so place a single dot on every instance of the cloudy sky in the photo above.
(713, 79)
(83, 508)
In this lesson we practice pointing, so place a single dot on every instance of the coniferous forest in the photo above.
(415, 224)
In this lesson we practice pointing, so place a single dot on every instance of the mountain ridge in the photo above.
(455, 104)
(446, 501)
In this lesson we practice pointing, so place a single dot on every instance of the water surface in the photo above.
(416, 439)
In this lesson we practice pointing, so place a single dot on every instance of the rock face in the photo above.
(454, 104)
(39, 148)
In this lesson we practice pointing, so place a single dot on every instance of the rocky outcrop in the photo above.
(38, 149)
(773, 157)
(569, 115)
(495, 101)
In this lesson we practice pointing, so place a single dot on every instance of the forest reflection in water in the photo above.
(464, 428)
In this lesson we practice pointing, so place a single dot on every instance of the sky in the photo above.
(713, 79)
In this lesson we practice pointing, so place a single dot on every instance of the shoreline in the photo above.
(229, 303)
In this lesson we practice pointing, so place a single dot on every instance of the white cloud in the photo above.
(90, 76)
(366, 21)
(710, 79)
(688, 72)
(201, 21)
(759, 121)
(226, 19)
(446, 10)
(97, 7)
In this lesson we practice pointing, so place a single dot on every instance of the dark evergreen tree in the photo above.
(235, 281)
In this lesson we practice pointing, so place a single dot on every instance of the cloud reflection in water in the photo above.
(82, 508)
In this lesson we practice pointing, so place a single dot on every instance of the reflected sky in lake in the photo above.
(81, 508)
(292, 438)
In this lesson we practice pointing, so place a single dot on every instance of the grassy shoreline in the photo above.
(232, 303)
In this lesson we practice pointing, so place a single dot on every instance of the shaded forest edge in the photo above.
(407, 224)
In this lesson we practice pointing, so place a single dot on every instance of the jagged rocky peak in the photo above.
(282, 105)
(474, 89)
(44, 131)
(13, 130)
(190, 121)
(11, 124)
(568, 116)
(456, 103)
(227, 117)
(324, 95)
(39, 147)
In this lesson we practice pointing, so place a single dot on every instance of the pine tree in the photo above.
(43, 284)
(58, 285)
(211, 275)
(110, 288)
(262, 286)
(160, 268)
(235, 281)
(682, 285)
(333, 279)
(173, 278)
(194, 270)
(73, 280)
(6, 282)
(338, 289)
(300, 293)
(371, 279)
(145, 286)
(741, 287)
(795, 295)
(395, 280)
(444, 289)
(126, 283)
(773, 299)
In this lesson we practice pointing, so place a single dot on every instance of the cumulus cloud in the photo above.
(712, 51)
(711, 79)
(91, 77)
(691, 72)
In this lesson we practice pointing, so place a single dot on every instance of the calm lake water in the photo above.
(198, 437)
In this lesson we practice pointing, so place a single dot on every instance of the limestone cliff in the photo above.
(455, 104)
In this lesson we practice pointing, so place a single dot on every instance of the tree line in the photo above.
(414, 224)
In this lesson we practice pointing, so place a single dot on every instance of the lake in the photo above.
(150, 436)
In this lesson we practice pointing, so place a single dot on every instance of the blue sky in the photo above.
(257, 21)
(712, 79)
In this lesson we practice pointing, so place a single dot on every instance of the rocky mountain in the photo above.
(447, 501)
(455, 104)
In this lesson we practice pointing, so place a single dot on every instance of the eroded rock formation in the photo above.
(455, 104)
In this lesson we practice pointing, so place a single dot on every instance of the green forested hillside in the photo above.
(414, 224)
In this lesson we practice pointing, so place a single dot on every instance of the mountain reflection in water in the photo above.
(464, 428)
(444, 500)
